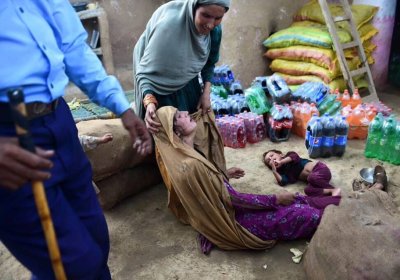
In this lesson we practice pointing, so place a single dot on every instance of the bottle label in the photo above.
(328, 141)
(315, 141)
(341, 140)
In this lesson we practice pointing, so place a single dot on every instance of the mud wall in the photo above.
(245, 26)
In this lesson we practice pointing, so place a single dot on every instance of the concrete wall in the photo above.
(245, 26)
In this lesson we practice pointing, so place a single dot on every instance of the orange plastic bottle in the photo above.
(313, 109)
(355, 99)
(305, 117)
(345, 98)
(338, 96)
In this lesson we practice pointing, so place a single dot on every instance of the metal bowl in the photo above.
(367, 174)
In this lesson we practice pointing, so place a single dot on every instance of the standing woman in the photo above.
(181, 40)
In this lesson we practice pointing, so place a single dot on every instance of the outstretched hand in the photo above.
(18, 166)
(235, 172)
(137, 130)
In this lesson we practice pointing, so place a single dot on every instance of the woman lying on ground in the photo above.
(200, 195)
(290, 168)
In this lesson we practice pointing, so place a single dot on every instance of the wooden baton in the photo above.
(18, 110)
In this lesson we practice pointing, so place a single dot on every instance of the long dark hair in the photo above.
(265, 153)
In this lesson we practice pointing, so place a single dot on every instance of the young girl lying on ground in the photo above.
(290, 168)
(200, 194)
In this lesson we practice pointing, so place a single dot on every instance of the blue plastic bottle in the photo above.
(308, 130)
(328, 138)
(315, 140)
(341, 131)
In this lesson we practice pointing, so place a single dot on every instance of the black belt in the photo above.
(34, 110)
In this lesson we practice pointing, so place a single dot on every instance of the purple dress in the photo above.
(267, 220)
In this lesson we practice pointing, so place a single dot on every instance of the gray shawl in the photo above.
(170, 52)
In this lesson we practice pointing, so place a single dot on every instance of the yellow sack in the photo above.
(317, 36)
(312, 11)
(298, 80)
(319, 56)
(298, 68)
(338, 83)
(367, 31)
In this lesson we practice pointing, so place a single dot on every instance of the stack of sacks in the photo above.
(304, 51)
(118, 171)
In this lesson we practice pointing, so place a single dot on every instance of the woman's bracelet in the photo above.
(149, 98)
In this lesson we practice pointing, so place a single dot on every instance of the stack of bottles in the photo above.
(380, 107)
(223, 76)
(280, 122)
(329, 105)
(384, 139)
(232, 105)
(326, 136)
(261, 81)
(237, 130)
(257, 100)
(347, 99)
(302, 113)
(359, 119)
(233, 131)
(255, 126)
(278, 89)
(311, 92)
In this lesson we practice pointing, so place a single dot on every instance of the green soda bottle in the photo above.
(395, 158)
(388, 137)
(257, 100)
(374, 136)
(327, 102)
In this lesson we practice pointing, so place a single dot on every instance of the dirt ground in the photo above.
(147, 242)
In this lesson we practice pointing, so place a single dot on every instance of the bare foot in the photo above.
(235, 172)
(336, 192)
(106, 138)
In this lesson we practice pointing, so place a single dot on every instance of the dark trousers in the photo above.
(318, 180)
(78, 220)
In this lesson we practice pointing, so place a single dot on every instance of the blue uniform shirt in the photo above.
(42, 46)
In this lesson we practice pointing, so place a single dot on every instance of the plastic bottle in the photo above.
(313, 109)
(341, 131)
(308, 129)
(355, 99)
(388, 138)
(395, 158)
(345, 98)
(334, 108)
(256, 100)
(328, 137)
(338, 95)
(326, 103)
(374, 136)
(315, 140)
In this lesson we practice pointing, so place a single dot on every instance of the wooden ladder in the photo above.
(348, 74)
